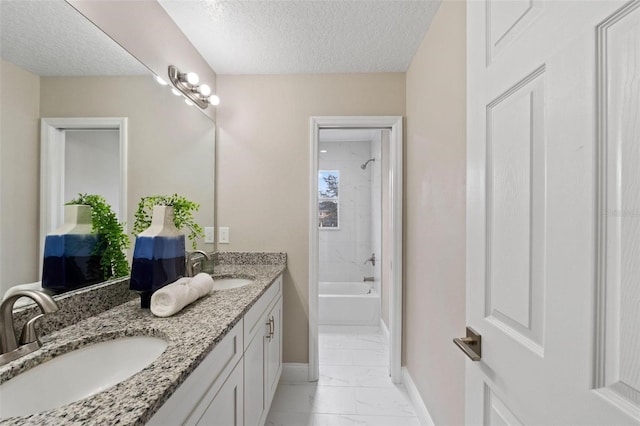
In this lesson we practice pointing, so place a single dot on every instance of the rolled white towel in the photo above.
(203, 283)
(171, 298)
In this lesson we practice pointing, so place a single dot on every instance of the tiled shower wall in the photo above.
(343, 251)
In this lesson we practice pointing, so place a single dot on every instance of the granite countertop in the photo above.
(191, 335)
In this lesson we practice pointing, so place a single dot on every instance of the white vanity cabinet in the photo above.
(234, 385)
(263, 354)
(215, 384)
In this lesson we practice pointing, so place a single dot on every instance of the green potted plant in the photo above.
(159, 254)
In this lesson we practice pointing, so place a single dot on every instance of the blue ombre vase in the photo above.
(158, 257)
(70, 257)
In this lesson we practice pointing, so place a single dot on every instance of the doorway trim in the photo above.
(393, 123)
(52, 166)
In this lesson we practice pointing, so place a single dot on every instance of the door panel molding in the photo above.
(617, 351)
(516, 212)
(506, 21)
(496, 412)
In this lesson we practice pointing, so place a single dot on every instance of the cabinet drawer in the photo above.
(252, 319)
(206, 379)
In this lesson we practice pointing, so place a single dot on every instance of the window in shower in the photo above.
(328, 201)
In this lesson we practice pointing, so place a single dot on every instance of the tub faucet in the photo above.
(190, 264)
(372, 259)
(29, 342)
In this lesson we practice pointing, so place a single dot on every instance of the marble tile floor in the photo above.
(354, 386)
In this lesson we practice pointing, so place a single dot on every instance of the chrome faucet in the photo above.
(372, 259)
(190, 265)
(29, 342)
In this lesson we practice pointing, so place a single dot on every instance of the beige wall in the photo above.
(263, 167)
(435, 215)
(171, 145)
(19, 175)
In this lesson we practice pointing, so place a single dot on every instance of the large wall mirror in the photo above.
(124, 135)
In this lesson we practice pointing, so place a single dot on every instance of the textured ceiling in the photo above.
(50, 38)
(304, 36)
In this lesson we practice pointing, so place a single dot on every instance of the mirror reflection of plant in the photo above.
(182, 214)
(113, 241)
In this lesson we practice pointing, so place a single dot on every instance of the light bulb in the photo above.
(188, 102)
(192, 78)
(323, 151)
(214, 100)
(176, 92)
(205, 90)
(160, 81)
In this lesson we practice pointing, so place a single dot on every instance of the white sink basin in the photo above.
(77, 375)
(229, 283)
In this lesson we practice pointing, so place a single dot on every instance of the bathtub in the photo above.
(348, 303)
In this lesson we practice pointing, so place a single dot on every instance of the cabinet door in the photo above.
(193, 396)
(226, 409)
(274, 352)
(254, 377)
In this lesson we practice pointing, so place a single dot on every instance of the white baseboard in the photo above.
(416, 399)
(293, 372)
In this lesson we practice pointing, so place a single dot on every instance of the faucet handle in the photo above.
(196, 267)
(29, 333)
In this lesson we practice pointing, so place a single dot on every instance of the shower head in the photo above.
(364, 166)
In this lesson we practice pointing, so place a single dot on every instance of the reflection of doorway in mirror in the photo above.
(92, 164)
(81, 155)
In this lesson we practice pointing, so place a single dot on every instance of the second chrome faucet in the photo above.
(192, 267)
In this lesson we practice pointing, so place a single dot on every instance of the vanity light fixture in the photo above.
(187, 85)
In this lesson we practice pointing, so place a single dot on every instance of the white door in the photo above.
(553, 207)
